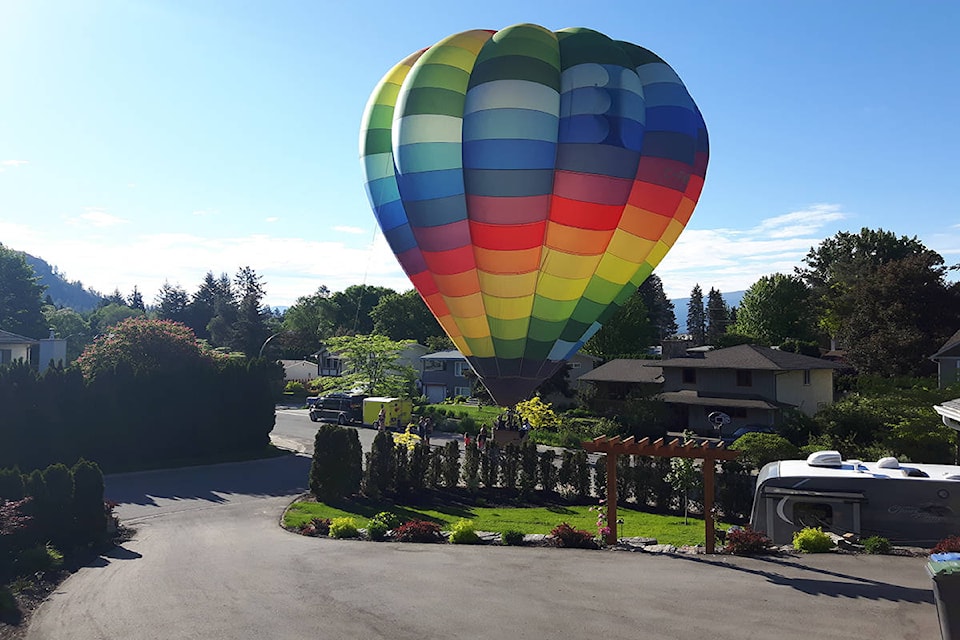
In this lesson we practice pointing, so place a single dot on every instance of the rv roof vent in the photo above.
(888, 463)
(825, 459)
(951, 476)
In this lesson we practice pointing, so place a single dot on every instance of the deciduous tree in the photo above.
(21, 296)
(775, 308)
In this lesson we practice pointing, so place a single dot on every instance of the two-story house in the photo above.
(444, 375)
(948, 361)
(41, 352)
(748, 383)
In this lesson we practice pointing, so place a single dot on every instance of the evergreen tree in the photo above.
(172, 303)
(136, 299)
(250, 330)
(659, 308)
(696, 317)
(21, 296)
(718, 316)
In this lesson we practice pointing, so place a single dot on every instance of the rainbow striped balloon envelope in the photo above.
(528, 181)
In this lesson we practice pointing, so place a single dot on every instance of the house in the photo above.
(444, 375)
(620, 379)
(948, 361)
(750, 384)
(41, 352)
(15, 347)
(331, 363)
(300, 371)
(950, 413)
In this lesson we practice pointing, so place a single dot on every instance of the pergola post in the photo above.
(708, 476)
(612, 497)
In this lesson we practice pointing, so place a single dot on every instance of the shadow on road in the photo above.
(845, 586)
(286, 475)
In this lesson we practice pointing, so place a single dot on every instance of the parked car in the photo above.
(730, 438)
(342, 408)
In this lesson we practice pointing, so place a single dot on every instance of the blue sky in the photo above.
(150, 141)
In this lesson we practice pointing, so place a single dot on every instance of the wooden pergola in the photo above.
(709, 452)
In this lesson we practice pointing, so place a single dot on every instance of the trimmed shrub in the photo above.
(511, 537)
(812, 540)
(316, 527)
(509, 466)
(746, 542)
(581, 474)
(566, 536)
(336, 468)
(877, 545)
(471, 466)
(11, 484)
(463, 532)
(450, 469)
(376, 529)
(528, 467)
(600, 476)
(489, 464)
(390, 519)
(90, 517)
(418, 531)
(343, 528)
(546, 471)
(947, 545)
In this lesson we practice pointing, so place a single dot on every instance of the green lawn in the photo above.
(666, 529)
(482, 414)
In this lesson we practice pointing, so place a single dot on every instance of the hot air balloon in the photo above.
(528, 182)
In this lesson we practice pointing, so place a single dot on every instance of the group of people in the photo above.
(424, 429)
(511, 422)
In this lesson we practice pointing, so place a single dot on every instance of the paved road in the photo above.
(209, 561)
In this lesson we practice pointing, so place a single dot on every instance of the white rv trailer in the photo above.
(910, 504)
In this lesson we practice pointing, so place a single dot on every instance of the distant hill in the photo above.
(63, 292)
(680, 306)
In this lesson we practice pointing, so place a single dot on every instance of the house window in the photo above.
(433, 365)
(6, 355)
(461, 391)
(744, 378)
(806, 377)
(458, 370)
(689, 376)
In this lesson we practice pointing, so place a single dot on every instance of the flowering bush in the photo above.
(812, 540)
(418, 531)
(538, 412)
(603, 530)
(343, 528)
(406, 439)
(566, 536)
(388, 518)
(463, 532)
(948, 545)
(746, 542)
(316, 527)
(376, 530)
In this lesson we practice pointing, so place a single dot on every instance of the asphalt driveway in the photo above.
(209, 561)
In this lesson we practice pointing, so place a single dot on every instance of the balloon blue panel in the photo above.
(561, 350)
(509, 154)
(523, 124)
(584, 128)
(627, 104)
(391, 215)
(508, 182)
(430, 185)
(585, 100)
(657, 72)
(678, 119)
(663, 94)
(666, 144)
(598, 159)
(400, 238)
(428, 156)
(383, 191)
(433, 213)
(626, 133)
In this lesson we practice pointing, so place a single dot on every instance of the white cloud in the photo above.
(353, 230)
(98, 218)
(206, 212)
(732, 260)
(14, 163)
(272, 219)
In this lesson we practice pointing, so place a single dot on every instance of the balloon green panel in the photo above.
(508, 329)
(377, 141)
(525, 39)
(608, 313)
(586, 46)
(545, 330)
(624, 294)
(431, 100)
(574, 330)
(638, 55)
(538, 350)
(600, 290)
(643, 272)
(380, 117)
(429, 156)
(552, 310)
(441, 76)
(509, 348)
(516, 68)
(587, 311)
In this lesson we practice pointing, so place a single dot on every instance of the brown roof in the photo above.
(12, 338)
(954, 341)
(750, 356)
(624, 370)
(692, 397)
